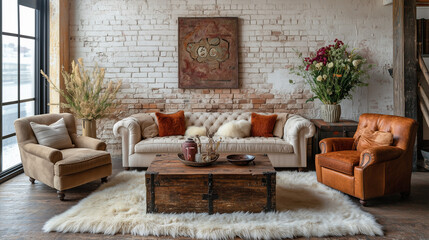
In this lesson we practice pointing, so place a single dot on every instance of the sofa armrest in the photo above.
(88, 142)
(296, 132)
(336, 144)
(294, 125)
(376, 155)
(51, 154)
(129, 130)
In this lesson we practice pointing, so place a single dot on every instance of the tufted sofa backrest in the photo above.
(403, 129)
(213, 120)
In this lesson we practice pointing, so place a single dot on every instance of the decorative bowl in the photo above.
(240, 159)
(198, 164)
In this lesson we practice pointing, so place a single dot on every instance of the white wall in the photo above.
(136, 41)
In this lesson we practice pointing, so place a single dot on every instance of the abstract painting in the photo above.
(208, 52)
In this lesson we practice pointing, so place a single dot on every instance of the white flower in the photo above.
(330, 65)
(325, 76)
(356, 62)
(349, 60)
(319, 78)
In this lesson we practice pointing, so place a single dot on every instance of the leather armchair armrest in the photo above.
(48, 153)
(375, 155)
(89, 142)
(336, 144)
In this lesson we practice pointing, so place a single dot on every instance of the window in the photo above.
(23, 54)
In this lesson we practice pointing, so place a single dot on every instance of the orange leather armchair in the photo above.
(376, 171)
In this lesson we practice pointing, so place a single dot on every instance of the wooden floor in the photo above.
(24, 208)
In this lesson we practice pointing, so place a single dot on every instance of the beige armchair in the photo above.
(66, 168)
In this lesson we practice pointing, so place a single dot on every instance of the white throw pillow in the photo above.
(193, 131)
(235, 129)
(54, 135)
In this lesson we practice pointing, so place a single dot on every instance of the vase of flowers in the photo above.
(332, 73)
(86, 95)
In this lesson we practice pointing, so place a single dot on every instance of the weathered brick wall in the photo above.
(136, 41)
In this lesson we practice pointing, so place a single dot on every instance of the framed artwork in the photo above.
(208, 52)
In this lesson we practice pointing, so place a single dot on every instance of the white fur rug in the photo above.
(305, 208)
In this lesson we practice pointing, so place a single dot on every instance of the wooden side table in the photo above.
(343, 128)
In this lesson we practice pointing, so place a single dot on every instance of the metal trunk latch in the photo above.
(152, 206)
(267, 182)
(210, 196)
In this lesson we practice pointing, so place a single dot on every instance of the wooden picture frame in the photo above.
(208, 52)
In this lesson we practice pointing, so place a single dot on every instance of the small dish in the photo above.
(240, 159)
(197, 164)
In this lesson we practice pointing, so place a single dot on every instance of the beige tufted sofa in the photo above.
(289, 151)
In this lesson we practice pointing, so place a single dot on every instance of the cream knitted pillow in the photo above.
(54, 135)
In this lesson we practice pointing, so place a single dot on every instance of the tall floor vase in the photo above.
(330, 112)
(89, 128)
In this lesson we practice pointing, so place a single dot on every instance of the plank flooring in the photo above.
(24, 208)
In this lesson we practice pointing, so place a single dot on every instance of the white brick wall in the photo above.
(136, 41)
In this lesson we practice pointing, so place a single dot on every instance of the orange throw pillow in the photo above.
(370, 139)
(263, 125)
(171, 124)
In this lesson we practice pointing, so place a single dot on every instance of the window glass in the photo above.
(10, 68)
(10, 16)
(27, 109)
(10, 114)
(27, 21)
(10, 153)
(27, 62)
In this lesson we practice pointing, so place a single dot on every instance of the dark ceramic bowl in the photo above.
(240, 159)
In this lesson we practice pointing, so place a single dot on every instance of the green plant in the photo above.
(333, 72)
(86, 95)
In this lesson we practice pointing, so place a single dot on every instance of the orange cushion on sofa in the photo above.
(171, 124)
(263, 125)
(370, 138)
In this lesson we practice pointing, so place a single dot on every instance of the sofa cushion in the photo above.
(370, 138)
(54, 135)
(193, 131)
(280, 125)
(235, 129)
(172, 144)
(171, 124)
(80, 159)
(263, 125)
(148, 126)
(341, 161)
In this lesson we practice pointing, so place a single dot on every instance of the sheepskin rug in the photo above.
(305, 208)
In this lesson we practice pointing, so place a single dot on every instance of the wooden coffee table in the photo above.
(172, 187)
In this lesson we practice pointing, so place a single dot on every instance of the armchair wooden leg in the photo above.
(363, 203)
(104, 180)
(126, 168)
(61, 195)
(405, 195)
(31, 180)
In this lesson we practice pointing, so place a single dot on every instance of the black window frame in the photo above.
(41, 96)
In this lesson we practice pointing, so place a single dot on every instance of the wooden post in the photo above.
(405, 61)
(58, 50)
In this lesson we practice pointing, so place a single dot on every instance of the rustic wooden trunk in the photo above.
(172, 187)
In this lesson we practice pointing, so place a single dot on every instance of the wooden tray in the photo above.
(197, 164)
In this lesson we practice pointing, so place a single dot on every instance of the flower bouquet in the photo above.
(332, 73)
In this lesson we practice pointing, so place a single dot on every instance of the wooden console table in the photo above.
(343, 128)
